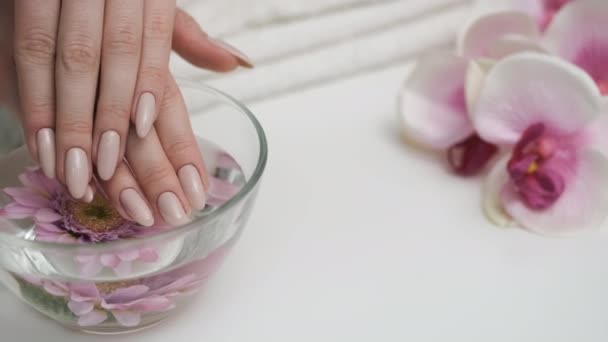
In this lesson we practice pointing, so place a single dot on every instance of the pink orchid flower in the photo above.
(579, 34)
(543, 11)
(433, 105)
(546, 112)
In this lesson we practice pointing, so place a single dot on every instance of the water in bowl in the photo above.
(124, 287)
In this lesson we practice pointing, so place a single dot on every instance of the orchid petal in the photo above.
(492, 187)
(582, 206)
(109, 260)
(124, 268)
(92, 318)
(82, 292)
(528, 88)
(126, 294)
(56, 289)
(477, 72)
(512, 44)
(90, 268)
(127, 318)
(152, 304)
(80, 308)
(128, 255)
(432, 105)
(579, 34)
(148, 254)
(482, 32)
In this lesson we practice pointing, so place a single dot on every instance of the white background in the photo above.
(358, 237)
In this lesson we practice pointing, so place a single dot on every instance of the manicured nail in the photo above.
(45, 139)
(89, 195)
(136, 207)
(244, 61)
(77, 172)
(107, 154)
(171, 209)
(145, 114)
(191, 182)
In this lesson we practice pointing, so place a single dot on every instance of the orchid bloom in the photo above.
(579, 34)
(543, 11)
(434, 109)
(545, 111)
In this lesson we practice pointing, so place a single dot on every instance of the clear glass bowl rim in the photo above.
(198, 223)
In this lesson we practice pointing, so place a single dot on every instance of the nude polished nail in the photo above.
(145, 114)
(77, 172)
(45, 141)
(107, 154)
(171, 209)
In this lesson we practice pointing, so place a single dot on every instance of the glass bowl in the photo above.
(126, 285)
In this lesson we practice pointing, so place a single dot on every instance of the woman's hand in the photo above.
(87, 68)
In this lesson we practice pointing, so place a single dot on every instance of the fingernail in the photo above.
(244, 61)
(89, 195)
(77, 172)
(107, 154)
(191, 182)
(45, 139)
(171, 209)
(136, 207)
(145, 114)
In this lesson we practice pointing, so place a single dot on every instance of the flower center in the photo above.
(470, 156)
(538, 185)
(98, 216)
(109, 287)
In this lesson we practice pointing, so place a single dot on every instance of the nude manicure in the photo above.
(171, 209)
(107, 154)
(136, 207)
(145, 114)
(190, 179)
(244, 61)
(45, 141)
(77, 172)
(89, 195)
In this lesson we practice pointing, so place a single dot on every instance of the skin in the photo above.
(86, 80)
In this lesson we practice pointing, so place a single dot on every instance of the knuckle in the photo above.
(76, 127)
(180, 146)
(79, 54)
(38, 112)
(35, 46)
(114, 112)
(155, 175)
(152, 74)
(159, 26)
(123, 40)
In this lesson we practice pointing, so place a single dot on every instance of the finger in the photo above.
(157, 178)
(195, 46)
(126, 195)
(180, 146)
(158, 28)
(77, 70)
(36, 24)
(121, 49)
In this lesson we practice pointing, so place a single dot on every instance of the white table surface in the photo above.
(357, 237)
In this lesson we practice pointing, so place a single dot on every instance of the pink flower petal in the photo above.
(16, 211)
(148, 254)
(579, 33)
(109, 260)
(26, 197)
(432, 104)
(127, 318)
(81, 308)
(152, 304)
(582, 206)
(92, 318)
(528, 88)
(483, 32)
(220, 191)
(123, 295)
(56, 289)
(91, 267)
(512, 44)
(47, 215)
(128, 255)
(81, 292)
